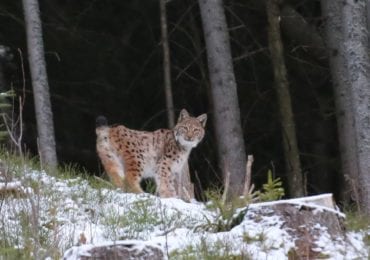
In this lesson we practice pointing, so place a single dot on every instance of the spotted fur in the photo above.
(129, 155)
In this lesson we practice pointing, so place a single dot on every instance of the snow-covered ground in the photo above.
(50, 213)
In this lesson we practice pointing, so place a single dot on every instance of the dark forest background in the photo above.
(104, 57)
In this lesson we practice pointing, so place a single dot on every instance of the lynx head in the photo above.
(189, 131)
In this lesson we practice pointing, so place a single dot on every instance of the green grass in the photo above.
(356, 221)
(231, 213)
(31, 229)
(136, 222)
(37, 217)
(26, 223)
(206, 250)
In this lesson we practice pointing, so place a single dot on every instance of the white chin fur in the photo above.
(183, 142)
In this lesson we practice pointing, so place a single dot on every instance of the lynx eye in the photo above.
(182, 130)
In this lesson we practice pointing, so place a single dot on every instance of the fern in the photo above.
(229, 214)
(272, 190)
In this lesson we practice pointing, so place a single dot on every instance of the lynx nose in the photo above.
(188, 138)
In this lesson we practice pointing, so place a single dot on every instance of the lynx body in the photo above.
(129, 155)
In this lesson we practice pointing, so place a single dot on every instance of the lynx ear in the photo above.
(183, 114)
(202, 119)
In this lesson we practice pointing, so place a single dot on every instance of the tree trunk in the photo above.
(358, 66)
(44, 115)
(332, 13)
(3, 60)
(226, 115)
(166, 66)
(185, 189)
(368, 17)
(295, 27)
(293, 165)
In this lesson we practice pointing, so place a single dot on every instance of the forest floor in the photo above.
(43, 216)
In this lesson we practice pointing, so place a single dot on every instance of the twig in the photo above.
(40, 157)
(248, 176)
(20, 136)
(23, 77)
(201, 191)
(16, 140)
(9, 130)
(186, 194)
(226, 190)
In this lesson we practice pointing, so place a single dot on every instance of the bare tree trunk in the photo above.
(5, 105)
(185, 189)
(296, 28)
(167, 66)
(295, 179)
(3, 60)
(226, 115)
(358, 65)
(44, 115)
(332, 13)
(368, 16)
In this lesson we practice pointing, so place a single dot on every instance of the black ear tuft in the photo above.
(101, 121)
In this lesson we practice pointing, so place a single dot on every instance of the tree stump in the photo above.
(183, 185)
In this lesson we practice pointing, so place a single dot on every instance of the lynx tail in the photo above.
(101, 121)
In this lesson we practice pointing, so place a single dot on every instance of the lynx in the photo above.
(129, 155)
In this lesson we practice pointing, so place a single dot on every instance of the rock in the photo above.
(11, 188)
(307, 219)
(306, 224)
(132, 249)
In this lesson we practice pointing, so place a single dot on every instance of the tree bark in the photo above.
(226, 115)
(358, 66)
(295, 27)
(44, 115)
(167, 66)
(368, 17)
(185, 189)
(293, 165)
(3, 60)
(332, 13)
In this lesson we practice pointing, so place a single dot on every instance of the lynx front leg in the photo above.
(132, 183)
(165, 183)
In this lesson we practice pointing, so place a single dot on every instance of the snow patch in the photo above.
(71, 213)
